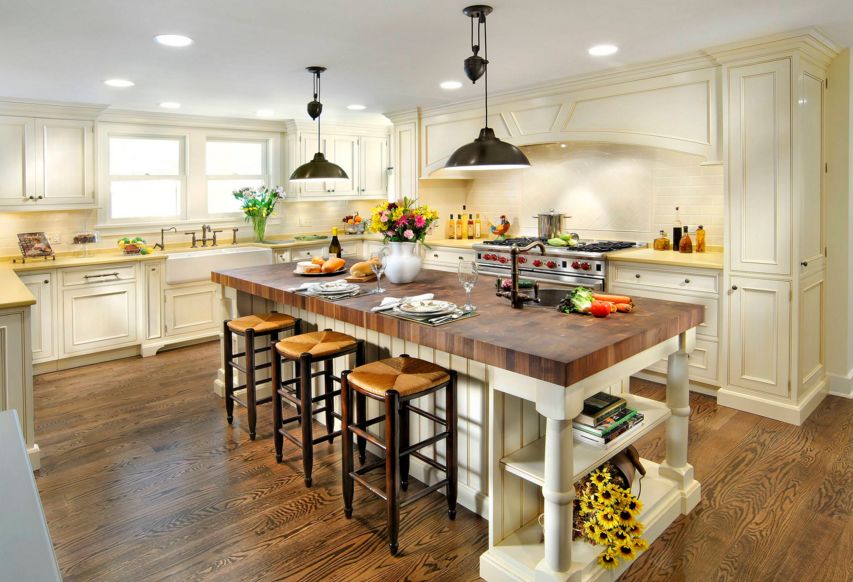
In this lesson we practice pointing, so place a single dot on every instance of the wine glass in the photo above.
(378, 261)
(468, 274)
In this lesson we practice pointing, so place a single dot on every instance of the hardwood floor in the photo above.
(143, 479)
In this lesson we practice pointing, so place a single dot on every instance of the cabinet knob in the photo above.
(637, 275)
(40, 197)
(46, 281)
(31, 197)
(435, 255)
(734, 287)
(687, 281)
(805, 263)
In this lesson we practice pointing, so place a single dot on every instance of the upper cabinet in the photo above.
(46, 164)
(362, 152)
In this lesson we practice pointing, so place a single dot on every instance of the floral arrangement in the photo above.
(402, 221)
(257, 205)
(608, 517)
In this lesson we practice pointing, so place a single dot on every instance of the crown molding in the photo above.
(405, 116)
(809, 43)
(50, 109)
(338, 127)
(181, 120)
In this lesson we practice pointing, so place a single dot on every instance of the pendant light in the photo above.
(486, 152)
(318, 169)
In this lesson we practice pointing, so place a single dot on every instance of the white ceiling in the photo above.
(386, 54)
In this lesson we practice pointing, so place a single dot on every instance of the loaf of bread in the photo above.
(362, 269)
(318, 261)
(334, 265)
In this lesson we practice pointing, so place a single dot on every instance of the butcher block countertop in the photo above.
(535, 341)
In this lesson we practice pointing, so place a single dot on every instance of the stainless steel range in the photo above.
(583, 264)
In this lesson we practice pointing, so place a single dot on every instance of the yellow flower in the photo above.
(607, 518)
(626, 551)
(591, 529)
(607, 495)
(626, 517)
(619, 535)
(607, 560)
(587, 506)
(634, 505)
(602, 538)
(601, 477)
(640, 544)
(635, 529)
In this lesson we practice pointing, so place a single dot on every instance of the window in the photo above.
(231, 165)
(146, 177)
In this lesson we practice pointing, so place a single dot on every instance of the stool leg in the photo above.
(404, 444)
(347, 482)
(250, 381)
(275, 382)
(392, 467)
(307, 428)
(361, 416)
(228, 348)
(297, 387)
(328, 369)
(452, 444)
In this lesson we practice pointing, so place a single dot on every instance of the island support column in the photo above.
(559, 494)
(675, 466)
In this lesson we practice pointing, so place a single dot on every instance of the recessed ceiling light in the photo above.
(118, 83)
(562, 145)
(602, 50)
(356, 107)
(265, 113)
(170, 105)
(449, 85)
(176, 40)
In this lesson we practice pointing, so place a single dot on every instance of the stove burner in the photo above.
(523, 241)
(604, 246)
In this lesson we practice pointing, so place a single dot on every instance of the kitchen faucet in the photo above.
(517, 299)
(162, 243)
(205, 228)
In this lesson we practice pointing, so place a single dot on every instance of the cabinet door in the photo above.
(17, 161)
(759, 109)
(343, 151)
(41, 315)
(191, 309)
(153, 301)
(812, 331)
(810, 156)
(309, 148)
(64, 165)
(98, 317)
(14, 367)
(759, 327)
(373, 152)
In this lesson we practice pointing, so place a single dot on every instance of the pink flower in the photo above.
(409, 234)
(389, 233)
(402, 221)
(420, 221)
(384, 217)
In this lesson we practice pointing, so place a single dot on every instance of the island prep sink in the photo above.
(549, 298)
(197, 265)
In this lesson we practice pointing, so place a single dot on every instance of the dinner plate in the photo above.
(320, 274)
(428, 307)
(335, 289)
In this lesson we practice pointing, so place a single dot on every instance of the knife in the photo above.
(446, 318)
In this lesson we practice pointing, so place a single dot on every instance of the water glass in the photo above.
(378, 262)
(468, 274)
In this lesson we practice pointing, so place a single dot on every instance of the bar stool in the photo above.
(304, 350)
(251, 327)
(396, 382)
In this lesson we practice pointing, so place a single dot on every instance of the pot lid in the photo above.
(551, 212)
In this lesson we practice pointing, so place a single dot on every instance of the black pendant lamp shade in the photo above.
(319, 168)
(486, 152)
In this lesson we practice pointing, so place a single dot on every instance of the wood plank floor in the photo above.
(143, 479)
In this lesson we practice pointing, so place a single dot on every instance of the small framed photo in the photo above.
(34, 245)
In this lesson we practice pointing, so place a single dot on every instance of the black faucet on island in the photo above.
(517, 299)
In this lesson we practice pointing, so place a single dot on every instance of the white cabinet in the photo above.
(98, 316)
(41, 315)
(46, 163)
(17, 161)
(760, 167)
(309, 147)
(153, 300)
(191, 308)
(343, 151)
(373, 171)
(759, 334)
(446, 258)
(16, 374)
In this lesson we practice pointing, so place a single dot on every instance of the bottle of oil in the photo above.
(335, 248)
(700, 239)
(662, 242)
(462, 225)
(478, 232)
(451, 228)
(686, 243)
(470, 226)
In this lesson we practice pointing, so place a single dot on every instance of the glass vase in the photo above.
(259, 226)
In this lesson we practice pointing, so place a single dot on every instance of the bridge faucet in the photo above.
(205, 228)
(163, 231)
(517, 299)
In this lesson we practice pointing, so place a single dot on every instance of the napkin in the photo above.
(391, 302)
(303, 287)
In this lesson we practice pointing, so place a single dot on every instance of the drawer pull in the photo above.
(805, 263)
(734, 287)
(46, 282)
(637, 275)
(687, 281)
(435, 255)
(102, 275)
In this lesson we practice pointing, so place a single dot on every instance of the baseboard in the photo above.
(85, 360)
(841, 385)
(765, 406)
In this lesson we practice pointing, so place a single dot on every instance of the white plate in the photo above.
(428, 307)
(344, 270)
(335, 287)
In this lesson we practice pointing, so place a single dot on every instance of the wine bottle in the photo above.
(676, 230)
(463, 226)
(335, 248)
(478, 232)
(451, 228)
(470, 226)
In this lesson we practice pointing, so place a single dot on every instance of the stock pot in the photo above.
(550, 223)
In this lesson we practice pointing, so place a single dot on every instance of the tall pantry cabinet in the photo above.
(776, 257)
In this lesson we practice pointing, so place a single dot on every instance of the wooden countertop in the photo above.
(537, 342)
(708, 260)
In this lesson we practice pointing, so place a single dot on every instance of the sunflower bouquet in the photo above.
(402, 221)
(606, 515)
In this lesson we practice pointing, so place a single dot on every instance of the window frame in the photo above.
(265, 176)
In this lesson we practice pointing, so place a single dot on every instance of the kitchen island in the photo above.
(523, 377)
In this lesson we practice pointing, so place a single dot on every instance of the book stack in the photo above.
(604, 418)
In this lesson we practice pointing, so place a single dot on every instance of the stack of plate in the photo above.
(335, 289)
(428, 308)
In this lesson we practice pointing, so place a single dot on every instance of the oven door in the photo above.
(563, 280)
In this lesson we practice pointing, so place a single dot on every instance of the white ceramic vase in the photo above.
(403, 263)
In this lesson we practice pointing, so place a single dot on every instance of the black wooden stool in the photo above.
(396, 382)
(251, 327)
(304, 350)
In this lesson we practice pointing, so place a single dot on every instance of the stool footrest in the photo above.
(366, 435)
(428, 461)
(375, 490)
(425, 443)
(297, 379)
(242, 368)
(257, 383)
(257, 351)
(320, 439)
(423, 493)
(370, 466)
(426, 414)
(242, 402)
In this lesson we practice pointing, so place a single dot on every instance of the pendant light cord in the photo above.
(486, 65)
(317, 98)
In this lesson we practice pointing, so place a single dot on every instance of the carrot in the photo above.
(612, 298)
(624, 307)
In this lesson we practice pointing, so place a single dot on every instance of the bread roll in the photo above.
(333, 265)
(302, 266)
(312, 268)
(361, 269)
(318, 261)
